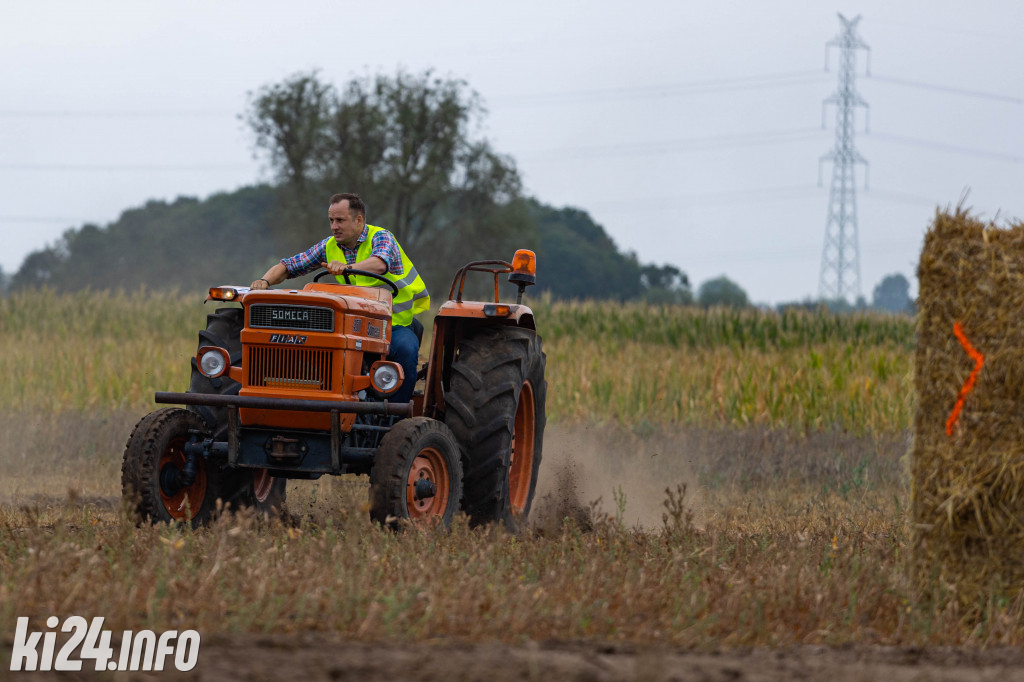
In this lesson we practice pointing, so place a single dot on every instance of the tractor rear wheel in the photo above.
(416, 474)
(254, 488)
(154, 460)
(495, 407)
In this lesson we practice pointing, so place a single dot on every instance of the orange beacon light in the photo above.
(524, 271)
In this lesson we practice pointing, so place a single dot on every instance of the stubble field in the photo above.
(720, 491)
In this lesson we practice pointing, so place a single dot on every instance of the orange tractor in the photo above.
(294, 384)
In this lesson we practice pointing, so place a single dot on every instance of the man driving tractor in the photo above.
(266, 405)
(358, 246)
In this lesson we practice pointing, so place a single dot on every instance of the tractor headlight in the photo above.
(225, 293)
(386, 376)
(213, 361)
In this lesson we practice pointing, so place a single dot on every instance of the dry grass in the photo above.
(818, 576)
(791, 540)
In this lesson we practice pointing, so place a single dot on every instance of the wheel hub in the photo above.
(182, 481)
(174, 479)
(169, 485)
(426, 491)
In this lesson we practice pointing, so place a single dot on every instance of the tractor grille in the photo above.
(290, 368)
(281, 316)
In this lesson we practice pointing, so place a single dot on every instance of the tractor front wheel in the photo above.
(155, 471)
(416, 475)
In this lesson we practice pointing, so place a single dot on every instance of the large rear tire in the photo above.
(495, 408)
(239, 488)
(416, 475)
(154, 450)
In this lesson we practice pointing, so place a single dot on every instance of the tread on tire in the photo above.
(416, 447)
(156, 440)
(495, 368)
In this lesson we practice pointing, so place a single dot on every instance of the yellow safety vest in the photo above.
(412, 298)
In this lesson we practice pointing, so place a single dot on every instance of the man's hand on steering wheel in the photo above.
(335, 267)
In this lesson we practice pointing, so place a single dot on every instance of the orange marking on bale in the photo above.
(979, 361)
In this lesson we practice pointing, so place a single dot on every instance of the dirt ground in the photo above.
(316, 657)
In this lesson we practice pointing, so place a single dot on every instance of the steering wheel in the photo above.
(364, 273)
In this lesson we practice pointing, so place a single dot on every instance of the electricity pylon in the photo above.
(840, 259)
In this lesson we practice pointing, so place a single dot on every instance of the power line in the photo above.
(796, 253)
(743, 140)
(939, 146)
(902, 197)
(732, 196)
(979, 94)
(735, 84)
(668, 89)
(659, 203)
(781, 193)
(782, 79)
(29, 219)
(122, 167)
(671, 146)
(953, 31)
(84, 113)
(572, 153)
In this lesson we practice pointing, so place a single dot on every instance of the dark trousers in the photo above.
(405, 348)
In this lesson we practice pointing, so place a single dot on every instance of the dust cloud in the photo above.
(608, 466)
(612, 470)
(46, 455)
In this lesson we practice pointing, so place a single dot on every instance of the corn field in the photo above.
(695, 328)
(630, 364)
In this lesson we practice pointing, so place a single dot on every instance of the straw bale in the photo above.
(967, 486)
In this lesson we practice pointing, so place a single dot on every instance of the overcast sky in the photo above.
(690, 130)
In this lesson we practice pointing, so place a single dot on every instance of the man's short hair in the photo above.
(355, 204)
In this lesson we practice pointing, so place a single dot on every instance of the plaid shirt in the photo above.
(384, 245)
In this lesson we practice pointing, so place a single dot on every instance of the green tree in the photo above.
(893, 294)
(406, 144)
(665, 284)
(37, 269)
(577, 259)
(229, 238)
(721, 291)
(291, 122)
(187, 244)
